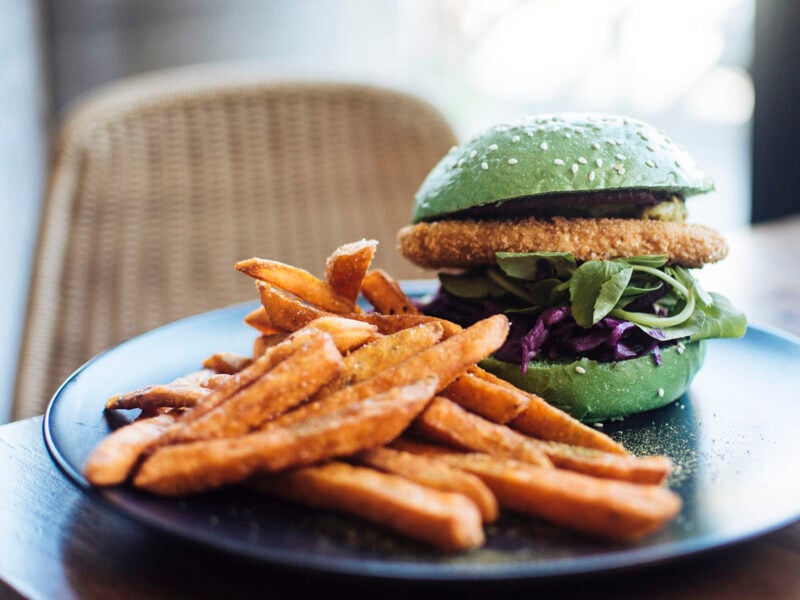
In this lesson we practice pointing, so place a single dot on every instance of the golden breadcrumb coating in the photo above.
(470, 243)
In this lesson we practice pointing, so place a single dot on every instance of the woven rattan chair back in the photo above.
(156, 188)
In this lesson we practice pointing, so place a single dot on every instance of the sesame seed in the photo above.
(620, 170)
(574, 167)
(484, 165)
(677, 164)
(580, 370)
(512, 161)
(596, 146)
(611, 142)
(558, 162)
(660, 392)
(591, 175)
(650, 163)
(567, 135)
(598, 425)
(473, 154)
(643, 136)
(460, 162)
(681, 348)
(543, 145)
(515, 138)
(651, 148)
(620, 156)
(599, 162)
(581, 160)
(493, 147)
(452, 149)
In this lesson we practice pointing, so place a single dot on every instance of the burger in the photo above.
(575, 227)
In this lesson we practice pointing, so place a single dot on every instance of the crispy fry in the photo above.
(251, 373)
(287, 313)
(227, 362)
(158, 396)
(284, 311)
(385, 294)
(346, 266)
(446, 422)
(615, 509)
(444, 360)
(258, 320)
(434, 474)
(186, 468)
(262, 342)
(545, 421)
(449, 521)
(347, 333)
(388, 324)
(115, 457)
(313, 363)
(370, 359)
(296, 281)
(205, 378)
(495, 402)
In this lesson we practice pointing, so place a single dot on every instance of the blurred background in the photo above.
(715, 75)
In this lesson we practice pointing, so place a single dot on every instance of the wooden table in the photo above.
(57, 543)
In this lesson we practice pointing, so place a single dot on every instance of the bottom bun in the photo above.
(593, 391)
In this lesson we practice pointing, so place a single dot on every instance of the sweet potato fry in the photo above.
(347, 333)
(614, 509)
(158, 396)
(544, 421)
(346, 267)
(251, 373)
(314, 362)
(448, 521)
(115, 457)
(258, 320)
(383, 292)
(444, 361)
(227, 362)
(196, 466)
(296, 281)
(446, 422)
(384, 352)
(388, 324)
(262, 342)
(495, 402)
(287, 313)
(434, 474)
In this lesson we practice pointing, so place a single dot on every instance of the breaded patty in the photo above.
(461, 244)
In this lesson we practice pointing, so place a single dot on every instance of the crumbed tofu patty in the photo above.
(472, 243)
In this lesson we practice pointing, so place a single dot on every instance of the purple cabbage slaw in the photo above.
(551, 334)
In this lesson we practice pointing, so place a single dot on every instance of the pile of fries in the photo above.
(382, 414)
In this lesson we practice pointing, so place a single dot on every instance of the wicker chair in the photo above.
(158, 184)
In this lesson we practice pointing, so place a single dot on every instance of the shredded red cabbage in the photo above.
(551, 334)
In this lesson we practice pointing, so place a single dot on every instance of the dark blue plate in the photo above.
(733, 438)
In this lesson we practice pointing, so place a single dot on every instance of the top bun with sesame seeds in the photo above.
(575, 226)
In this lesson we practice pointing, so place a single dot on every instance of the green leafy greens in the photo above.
(532, 281)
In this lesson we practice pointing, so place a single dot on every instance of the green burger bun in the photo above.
(593, 391)
(557, 154)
